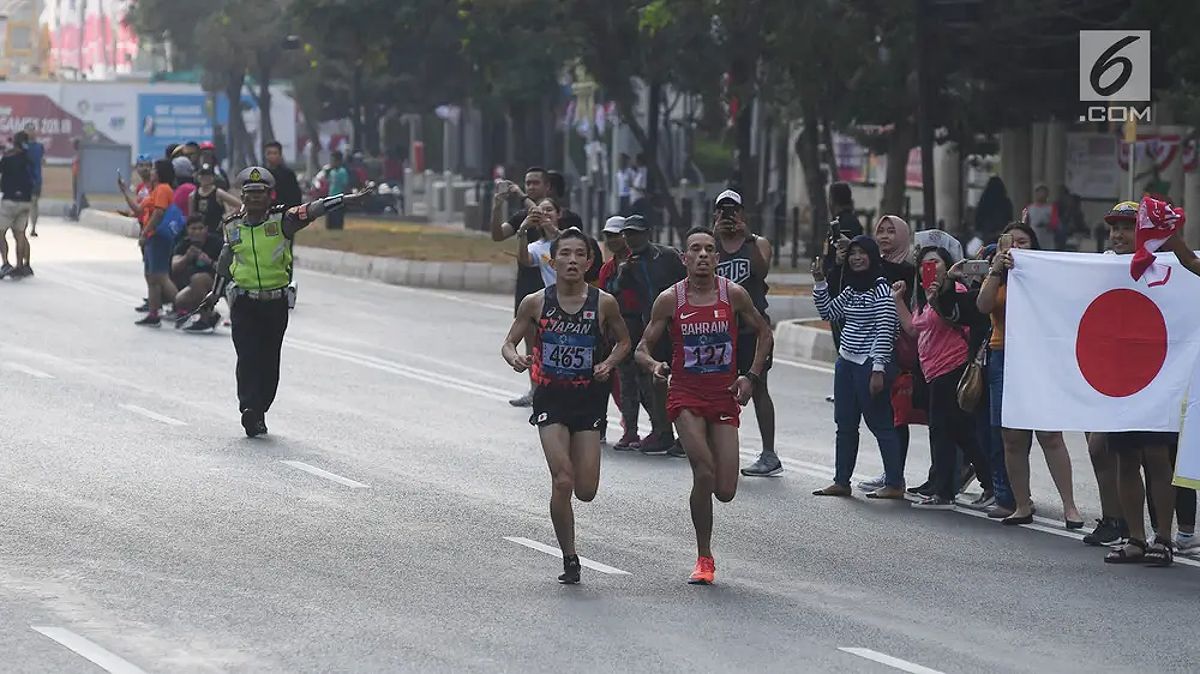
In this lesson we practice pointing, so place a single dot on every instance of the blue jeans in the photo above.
(853, 402)
(991, 440)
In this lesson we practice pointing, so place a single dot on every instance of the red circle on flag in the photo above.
(1122, 343)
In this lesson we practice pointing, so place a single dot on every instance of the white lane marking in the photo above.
(885, 659)
(555, 552)
(804, 366)
(104, 659)
(152, 415)
(90, 287)
(506, 308)
(383, 365)
(313, 470)
(17, 367)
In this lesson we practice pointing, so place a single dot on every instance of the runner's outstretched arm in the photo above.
(748, 316)
(1186, 256)
(615, 331)
(660, 315)
(530, 307)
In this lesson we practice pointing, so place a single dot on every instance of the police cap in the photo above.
(256, 178)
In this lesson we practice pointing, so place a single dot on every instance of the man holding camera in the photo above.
(529, 279)
(745, 259)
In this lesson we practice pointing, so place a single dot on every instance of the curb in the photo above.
(471, 276)
(476, 277)
(802, 340)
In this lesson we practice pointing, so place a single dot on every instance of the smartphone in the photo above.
(976, 268)
(835, 233)
(928, 273)
(729, 212)
(1004, 243)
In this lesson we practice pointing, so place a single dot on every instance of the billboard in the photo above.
(146, 116)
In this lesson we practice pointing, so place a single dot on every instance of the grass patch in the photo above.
(409, 240)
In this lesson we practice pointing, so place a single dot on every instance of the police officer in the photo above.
(254, 272)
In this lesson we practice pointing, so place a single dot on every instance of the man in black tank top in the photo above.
(211, 202)
(578, 339)
(745, 259)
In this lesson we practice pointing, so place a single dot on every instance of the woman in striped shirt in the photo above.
(864, 369)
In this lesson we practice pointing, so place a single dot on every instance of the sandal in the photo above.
(1160, 553)
(834, 489)
(1121, 555)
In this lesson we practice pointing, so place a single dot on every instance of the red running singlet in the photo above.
(704, 360)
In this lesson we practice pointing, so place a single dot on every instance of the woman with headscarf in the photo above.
(908, 393)
(994, 211)
(865, 367)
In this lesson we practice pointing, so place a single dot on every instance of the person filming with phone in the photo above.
(745, 259)
(942, 323)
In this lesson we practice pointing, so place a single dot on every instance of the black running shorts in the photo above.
(578, 409)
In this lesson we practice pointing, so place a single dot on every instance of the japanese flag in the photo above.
(1087, 348)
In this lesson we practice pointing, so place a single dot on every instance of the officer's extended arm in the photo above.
(299, 217)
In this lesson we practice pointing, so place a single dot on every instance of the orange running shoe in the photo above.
(705, 571)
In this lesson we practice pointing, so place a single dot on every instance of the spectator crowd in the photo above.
(180, 201)
(920, 332)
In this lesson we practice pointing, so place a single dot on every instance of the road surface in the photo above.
(396, 517)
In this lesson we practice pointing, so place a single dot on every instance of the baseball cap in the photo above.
(182, 166)
(614, 225)
(729, 195)
(635, 222)
(144, 159)
(207, 145)
(1126, 210)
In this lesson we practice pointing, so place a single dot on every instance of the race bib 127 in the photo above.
(707, 354)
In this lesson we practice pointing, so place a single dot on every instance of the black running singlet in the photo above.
(735, 266)
(568, 345)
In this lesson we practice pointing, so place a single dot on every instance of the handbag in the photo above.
(970, 385)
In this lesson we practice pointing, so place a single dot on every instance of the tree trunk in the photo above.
(654, 173)
(742, 85)
(373, 114)
(240, 152)
(314, 147)
(265, 128)
(650, 149)
(356, 103)
(895, 183)
(808, 148)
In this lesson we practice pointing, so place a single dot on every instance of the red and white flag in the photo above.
(1087, 348)
(1157, 221)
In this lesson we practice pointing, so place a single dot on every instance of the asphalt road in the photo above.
(140, 530)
